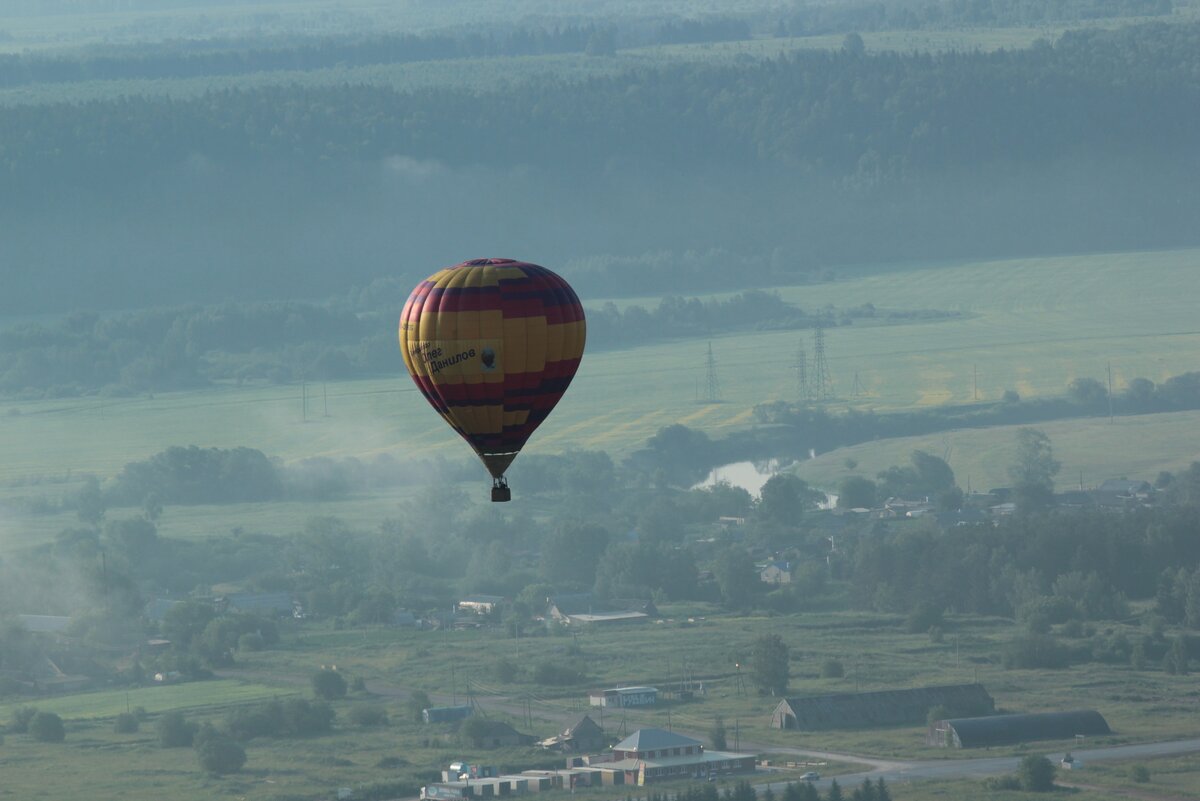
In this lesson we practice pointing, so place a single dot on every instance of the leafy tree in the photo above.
(220, 754)
(1036, 774)
(47, 727)
(572, 552)
(769, 664)
(737, 577)
(1033, 470)
(856, 492)
(328, 684)
(474, 730)
(418, 701)
(185, 621)
(126, 723)
(784, 499)
(175, 731)
(303, 718)
(717, 734)
(90, 504)
(1087, 392)
(1176, 660)
(832, 669)
(864, 792)
(21, 717)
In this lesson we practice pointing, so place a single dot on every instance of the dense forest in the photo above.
(799, 162)
(1104, 92)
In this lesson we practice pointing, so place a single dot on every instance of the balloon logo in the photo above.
(493, 344)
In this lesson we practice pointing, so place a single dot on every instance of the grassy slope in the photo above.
(1034, 325)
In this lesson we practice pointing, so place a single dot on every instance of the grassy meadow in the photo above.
(192, 696)
(1031, 325)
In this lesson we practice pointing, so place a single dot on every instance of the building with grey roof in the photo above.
(1013, 729)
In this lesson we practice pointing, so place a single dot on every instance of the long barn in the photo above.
(881, 708)
(1012, 729)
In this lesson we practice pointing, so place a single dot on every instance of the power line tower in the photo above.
(803, 389)
(824, 382)
(712, 393)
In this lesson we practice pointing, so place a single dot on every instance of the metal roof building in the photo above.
(1012, 729)
(878, 708)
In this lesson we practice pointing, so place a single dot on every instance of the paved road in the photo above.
(907, 771)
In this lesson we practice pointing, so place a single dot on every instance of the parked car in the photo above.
(811, 776)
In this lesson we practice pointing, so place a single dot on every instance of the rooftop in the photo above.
(654, 740)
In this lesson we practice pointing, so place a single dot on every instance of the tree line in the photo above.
(217, 57)
(826, 18)
(350, 336)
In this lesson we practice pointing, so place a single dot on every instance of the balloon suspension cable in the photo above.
(500, 490)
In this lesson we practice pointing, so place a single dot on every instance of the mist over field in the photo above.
(924, 271)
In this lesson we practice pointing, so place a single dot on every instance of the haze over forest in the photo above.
(892, 379)
(816, 158)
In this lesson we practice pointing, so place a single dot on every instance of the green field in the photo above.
(1032, 325)
(190, 696)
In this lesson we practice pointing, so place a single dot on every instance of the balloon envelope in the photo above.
(493, 344)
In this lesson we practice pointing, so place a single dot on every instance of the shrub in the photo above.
(140, 713)
(364, 715)
(175, 731)
(832, 669)
(302, 717)
(1140, 774)
(1036, 774)
(506, 671)
(328, 684)
(1034, 651)
(21, 717)
(924, 616)
(251, 641)
(294, 717)
(47, 727)
(126, 723)
(260, 720)
(1002, 783)
(557, 674)
(220, 754)
(358, 685)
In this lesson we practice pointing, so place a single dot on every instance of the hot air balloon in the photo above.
(493, 344)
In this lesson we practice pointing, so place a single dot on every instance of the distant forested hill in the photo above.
(297, 191)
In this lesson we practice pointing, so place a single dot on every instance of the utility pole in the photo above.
(1110, 406)
(975, 370)
(713, 388)
(824, 381)
(857, 386)
(325, 396)
(303, 402)
(803, 390)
